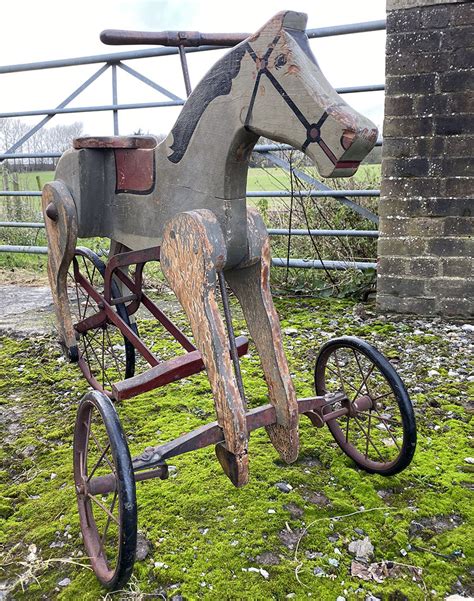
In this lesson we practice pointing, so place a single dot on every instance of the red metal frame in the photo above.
(139, 258)
(107, 314)
(152, 462)
(166, 372)
(160, 373)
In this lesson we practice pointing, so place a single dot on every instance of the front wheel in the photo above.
(107, 515)
(378, 431)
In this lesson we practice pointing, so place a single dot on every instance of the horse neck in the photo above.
(216, 158)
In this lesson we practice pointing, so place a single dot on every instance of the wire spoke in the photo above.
(370, 440)
(383, 396)
(368, 432)
(85, 352)
(93, 335)
(103, 507)
(88, 342)
(98, 461)
(388, 429)
(338, 374)
(364, 383)
(109, 517)
(101, 450)
(78, 301)
(91, 281)
(339, 370)
(388, 420)
(98, 361)
(361, 370)
(86, 267)
(118, 363)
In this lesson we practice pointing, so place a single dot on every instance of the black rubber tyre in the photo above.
(381, 437)
(104, 355)
(109, 529)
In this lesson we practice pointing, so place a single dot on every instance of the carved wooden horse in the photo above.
(188, 195)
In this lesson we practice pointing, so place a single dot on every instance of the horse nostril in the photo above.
(347, 138)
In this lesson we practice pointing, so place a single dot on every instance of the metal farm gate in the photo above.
(271, 152)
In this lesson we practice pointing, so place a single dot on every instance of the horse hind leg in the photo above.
(192, 252)
(60, 218)
(250, 282)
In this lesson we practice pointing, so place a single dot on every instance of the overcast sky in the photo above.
(37, 30)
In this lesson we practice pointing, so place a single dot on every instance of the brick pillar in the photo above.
(426, 206)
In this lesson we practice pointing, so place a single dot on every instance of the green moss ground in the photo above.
(204, 534)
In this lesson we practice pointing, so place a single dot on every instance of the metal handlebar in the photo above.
(171, 38)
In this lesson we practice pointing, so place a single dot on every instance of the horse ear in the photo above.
(286, 19)
(294, 20)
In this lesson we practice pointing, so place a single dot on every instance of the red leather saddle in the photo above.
(134, 160)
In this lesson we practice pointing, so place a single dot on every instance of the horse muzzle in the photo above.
(344, 160)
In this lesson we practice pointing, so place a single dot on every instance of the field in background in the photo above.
(268, 178)
(274, 178)
(300, 213)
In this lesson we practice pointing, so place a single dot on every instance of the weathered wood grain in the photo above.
(60, 219)
(188, 194)
(250, 282)
(129, 142)
(193, 250)
(270, 85)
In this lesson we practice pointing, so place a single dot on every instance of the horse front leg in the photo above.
(250, 281)
(192, 252)
(60, 217)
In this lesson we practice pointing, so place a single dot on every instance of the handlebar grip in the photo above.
(171, 38)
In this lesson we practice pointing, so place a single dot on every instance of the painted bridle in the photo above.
(313, 130)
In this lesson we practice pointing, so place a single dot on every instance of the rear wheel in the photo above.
(105, 355)
(379, 431)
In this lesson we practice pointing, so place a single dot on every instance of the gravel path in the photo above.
(26, 310)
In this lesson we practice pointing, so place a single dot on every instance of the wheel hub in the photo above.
(362, 403)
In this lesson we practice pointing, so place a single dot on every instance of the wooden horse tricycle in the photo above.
(183, 202)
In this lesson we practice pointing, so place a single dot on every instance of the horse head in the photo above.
(292, 102)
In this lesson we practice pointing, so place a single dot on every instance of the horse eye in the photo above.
(280, 61)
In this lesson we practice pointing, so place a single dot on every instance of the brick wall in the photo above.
(427, 194)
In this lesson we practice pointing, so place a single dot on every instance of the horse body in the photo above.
(191, 201)
(269, 85)
(209, 175)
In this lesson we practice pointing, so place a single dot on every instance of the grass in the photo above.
(274, 178)
(208, 540)
(270, 178)
(29, 180)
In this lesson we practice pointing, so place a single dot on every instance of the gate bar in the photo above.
(320, 32)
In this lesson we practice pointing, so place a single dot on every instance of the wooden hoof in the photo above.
(236, 467)
(71, 353)
(285, 440)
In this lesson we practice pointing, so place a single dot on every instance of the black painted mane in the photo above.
(217, 82)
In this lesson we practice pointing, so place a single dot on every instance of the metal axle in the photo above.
(152, 462)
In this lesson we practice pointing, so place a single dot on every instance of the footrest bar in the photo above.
(166, 372)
